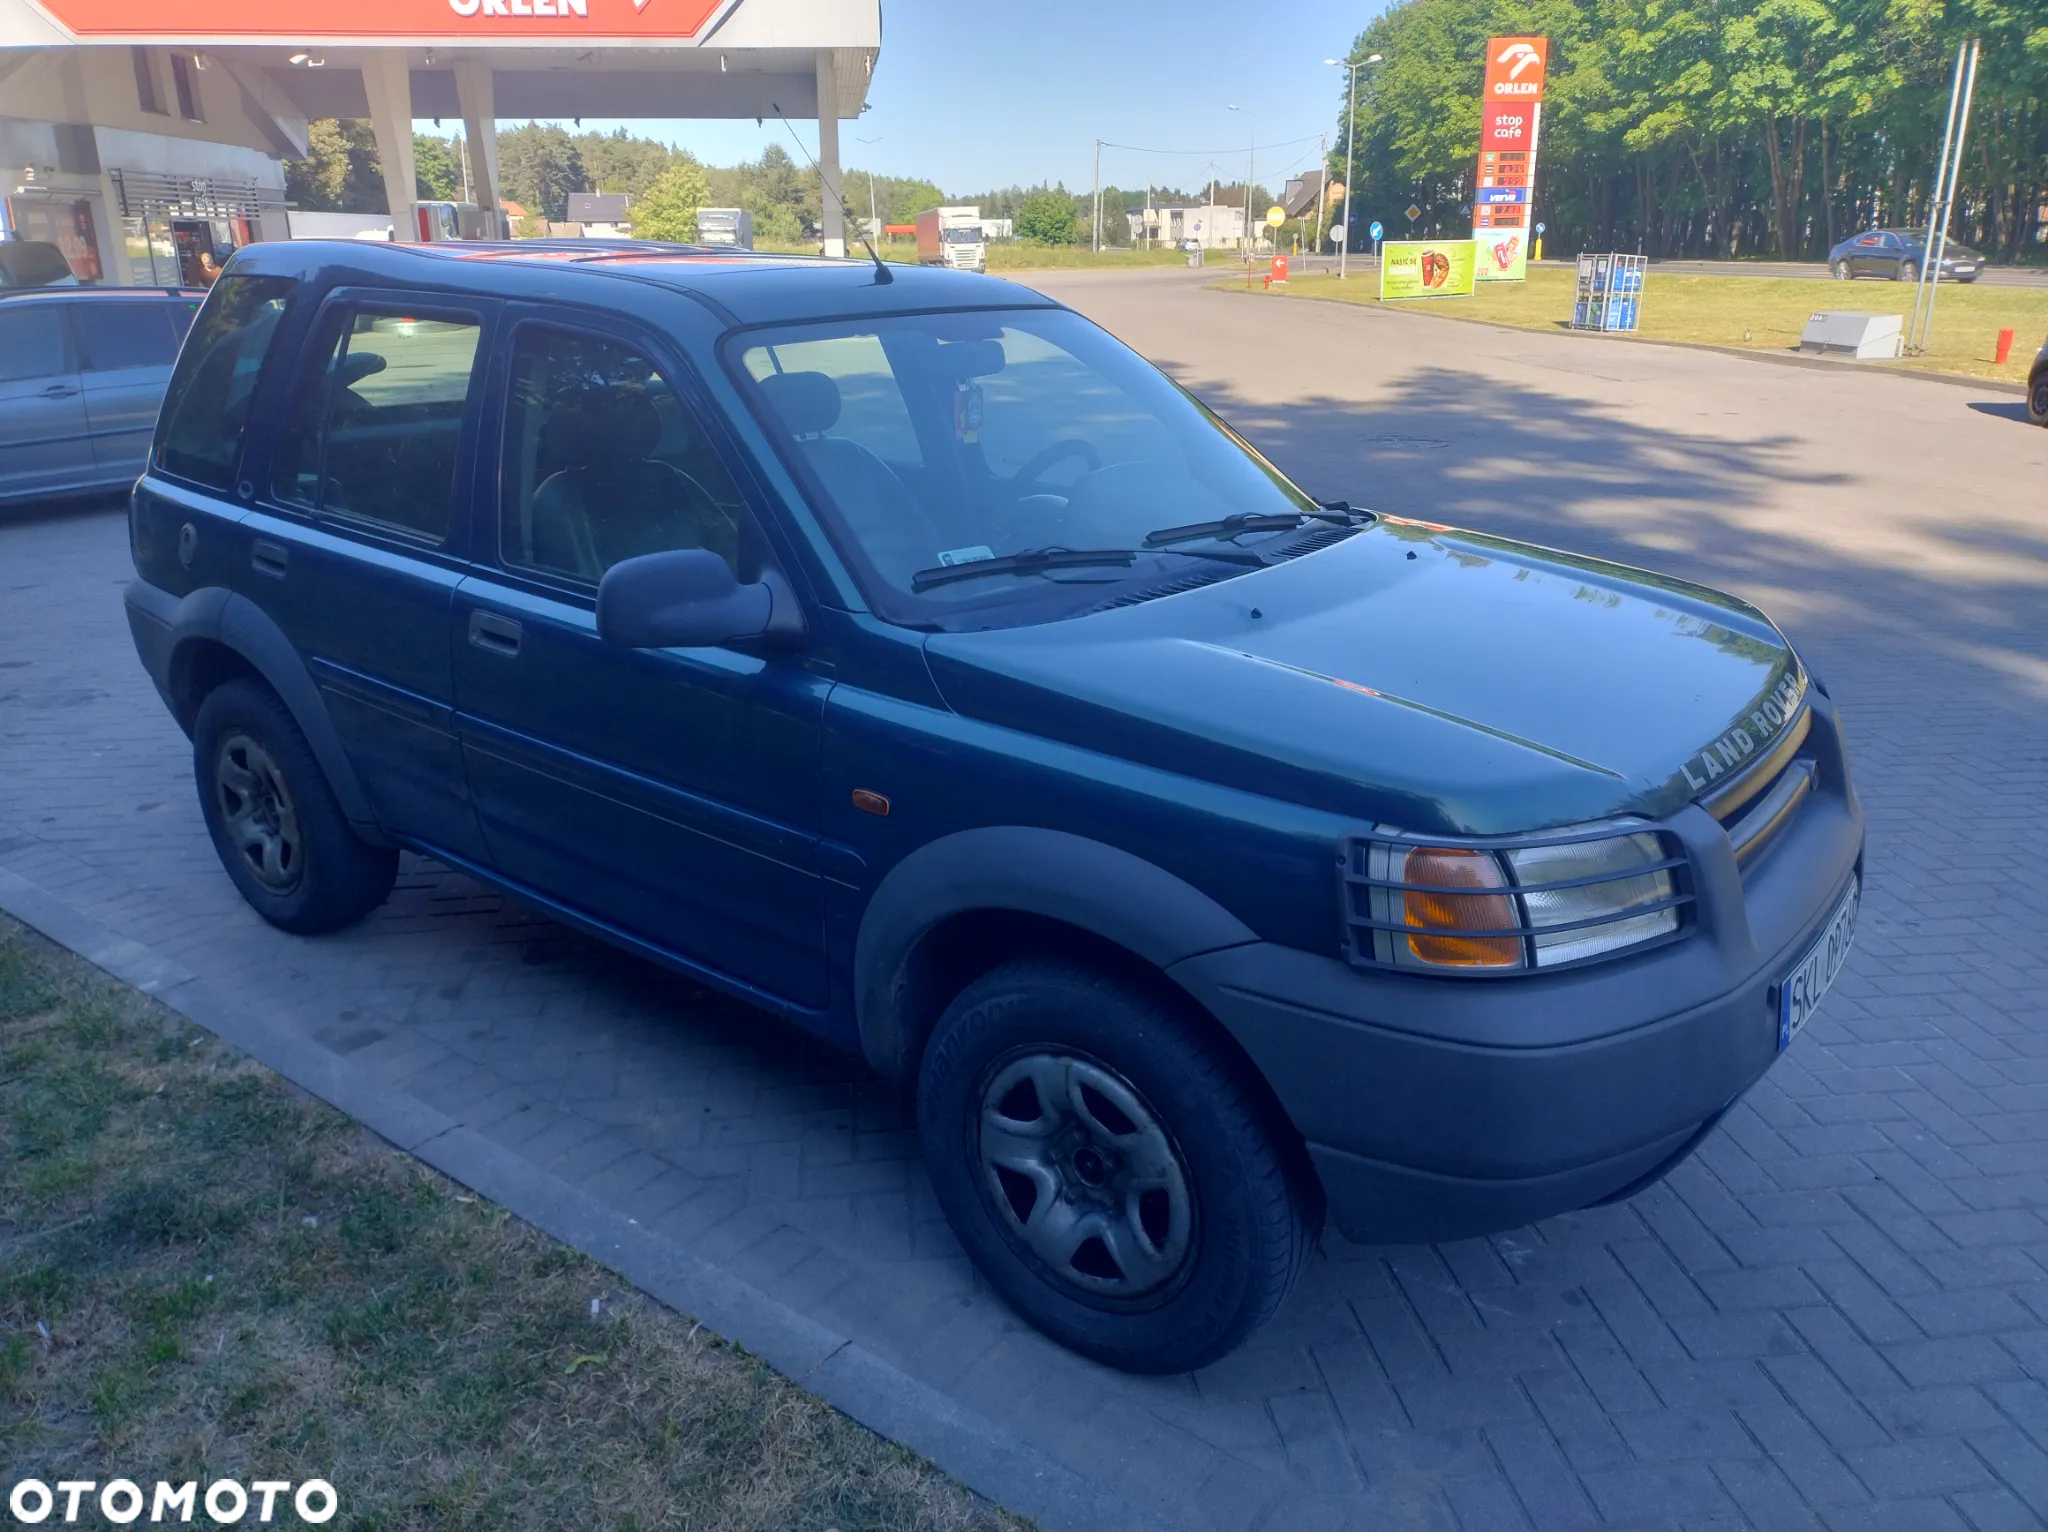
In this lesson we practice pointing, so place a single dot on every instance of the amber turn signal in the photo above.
(870, 802)
(1445, 915)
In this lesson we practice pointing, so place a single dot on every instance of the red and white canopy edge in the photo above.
(392, 61)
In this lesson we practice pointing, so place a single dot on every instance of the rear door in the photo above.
(357, 536)
(125, 350)
(45, 447)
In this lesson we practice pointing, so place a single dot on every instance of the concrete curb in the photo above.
(1775, 358)
(973, 1449)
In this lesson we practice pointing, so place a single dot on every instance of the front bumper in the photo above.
(1437, 1108)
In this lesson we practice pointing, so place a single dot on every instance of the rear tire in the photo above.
(2037, 398)
(1907, 272)
(275, 823)
(1108, 1169)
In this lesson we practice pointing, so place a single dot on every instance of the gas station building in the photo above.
(133, 131)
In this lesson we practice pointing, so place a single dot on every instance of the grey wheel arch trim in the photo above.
(214, 614)
(1051, 873)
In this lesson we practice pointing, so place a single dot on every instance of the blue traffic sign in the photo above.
(1376, 230)
(1539, 228)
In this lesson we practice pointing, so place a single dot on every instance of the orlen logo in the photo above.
(526, 7)
(1519, 57)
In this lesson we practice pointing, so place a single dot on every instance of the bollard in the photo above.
(2004, 347)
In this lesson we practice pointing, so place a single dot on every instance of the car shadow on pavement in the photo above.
(1493, 456)
(2004, 409)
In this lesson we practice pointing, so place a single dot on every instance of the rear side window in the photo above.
(31, 343)
(206, 409)
(115, 336)
(376, 424)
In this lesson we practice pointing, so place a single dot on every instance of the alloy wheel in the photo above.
(2040, 399)
(1081, 1173)
(257, 814)
(1841, 271)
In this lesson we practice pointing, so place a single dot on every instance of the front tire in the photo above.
(2037, 399)
(1842, 272)
(1108, 1169)
(275, 824)
(1907, 272)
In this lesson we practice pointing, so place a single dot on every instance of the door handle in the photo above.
(499, 635)
(59, 391)
(267, 557)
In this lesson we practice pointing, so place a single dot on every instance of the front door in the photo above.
(44, 444)
(670, 793)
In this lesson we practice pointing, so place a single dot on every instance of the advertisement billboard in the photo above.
(1510, 116)
(1428, 268)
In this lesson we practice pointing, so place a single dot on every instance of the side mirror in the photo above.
(690, 599)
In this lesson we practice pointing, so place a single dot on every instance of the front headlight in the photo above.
(1502, 907)
(1589, 897)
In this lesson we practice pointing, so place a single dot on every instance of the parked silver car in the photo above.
(82, 372)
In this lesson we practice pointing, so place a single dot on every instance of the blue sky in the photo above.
(974, 96)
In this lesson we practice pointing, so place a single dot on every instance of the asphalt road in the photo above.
(1833, 1318)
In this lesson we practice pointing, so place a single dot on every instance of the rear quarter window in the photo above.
(115, 336)
(206, 409)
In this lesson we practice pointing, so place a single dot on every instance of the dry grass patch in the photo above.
(205, 1275)
(1749, 313)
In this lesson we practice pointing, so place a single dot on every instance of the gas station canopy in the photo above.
(392, 61)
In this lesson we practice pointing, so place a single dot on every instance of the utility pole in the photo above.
(1946, 176)
(1251, 165)
(1096, 222)
(1322, 186)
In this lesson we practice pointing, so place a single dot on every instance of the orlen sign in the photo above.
(563, 21)
(1514, 69)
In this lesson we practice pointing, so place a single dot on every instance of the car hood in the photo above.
(1412, 675)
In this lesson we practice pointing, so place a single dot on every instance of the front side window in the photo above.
(940, 442)
(206, 408)
(604, 462)
(376, 424)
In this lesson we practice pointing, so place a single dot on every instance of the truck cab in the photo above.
(952, 237)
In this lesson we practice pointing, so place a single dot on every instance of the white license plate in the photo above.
(1799, 995)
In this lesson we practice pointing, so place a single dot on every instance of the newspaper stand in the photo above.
(1610, 292)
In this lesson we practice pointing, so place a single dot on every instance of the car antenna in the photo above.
(883, 275)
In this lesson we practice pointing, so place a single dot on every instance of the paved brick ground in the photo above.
(1835, 1317)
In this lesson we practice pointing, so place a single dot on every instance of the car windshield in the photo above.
(935, 441)
(962, 236)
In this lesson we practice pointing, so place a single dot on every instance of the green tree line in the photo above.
(540, 164)
(1713, 127)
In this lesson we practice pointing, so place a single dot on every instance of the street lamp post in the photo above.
(1350, 148)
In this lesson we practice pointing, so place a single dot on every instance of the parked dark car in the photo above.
(1900, 254)
(898, 652)
(82, 373)
(33, 263)
(2037, 388)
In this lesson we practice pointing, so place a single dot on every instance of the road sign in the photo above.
(1539, 228)
(1276, 215)
(1376, 230)
(1414, 212)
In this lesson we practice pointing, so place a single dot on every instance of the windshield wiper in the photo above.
(1039, 560)
(1248, 521)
